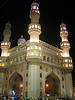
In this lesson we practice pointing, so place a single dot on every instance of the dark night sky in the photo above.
(52, 14)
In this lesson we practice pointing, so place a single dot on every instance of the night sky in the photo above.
(52, 14)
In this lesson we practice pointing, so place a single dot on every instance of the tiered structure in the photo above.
(5, 44)
(34, 68)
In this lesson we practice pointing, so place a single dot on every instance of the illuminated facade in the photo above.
(34, 68)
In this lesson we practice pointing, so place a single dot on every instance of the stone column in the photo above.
(24, 78)
(34, 81)
(69, 87)
(1, 81)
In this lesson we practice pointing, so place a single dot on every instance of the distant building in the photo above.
(34, 68)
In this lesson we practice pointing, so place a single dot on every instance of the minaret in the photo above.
(67, 60)
(5, 44)
(34, 47)
(34, 57)
(34, 27)
(65, 46)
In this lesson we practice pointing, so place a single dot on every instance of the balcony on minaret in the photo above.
(67, 62)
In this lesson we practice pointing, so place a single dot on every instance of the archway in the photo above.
(52, 85)
(16, 85)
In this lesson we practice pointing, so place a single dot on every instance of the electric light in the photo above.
(66, 60)
(35, 26)
(5, 43)
(35, 47)
(32, 53)
(38, 27)
(66, 65)
(32, 47)
(27, 54)
(36, 53)
(39, 48)
(32, 26)
(29, 27)
(21, 85)
(28, 48)
(65, 55)
(39, 54)
(0, 64)
(38, 11)
(47, 85)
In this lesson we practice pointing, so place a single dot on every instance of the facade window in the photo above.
(40, 84)
(40, 67)
(62, 78)
(32, 47)
(17, 60)
(0, 64)
(20, 58)
(62, 72)
(44, 58)
(26, 94)
(48, 59)
(26, 83)
(51, 60)
(27, 75)
(40, 94)
(5, 85)
(63, 86)
(40, 75)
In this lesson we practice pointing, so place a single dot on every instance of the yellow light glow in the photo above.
(32, 53)
(47, 85)
(66, 60)
(36, 53)
(35, 47)
(0, 64)
(32, 47)
(3, 64)
(66, 65)
(39, 54)
(21, 85)
(27, 54)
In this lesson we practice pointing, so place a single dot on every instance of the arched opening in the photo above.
(16, 85)
(52, 85)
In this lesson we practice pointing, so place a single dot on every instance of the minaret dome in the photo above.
(35, 5)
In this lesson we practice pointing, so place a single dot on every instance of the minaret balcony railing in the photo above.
(67, 62)
(64, 33)
(65, 44)
(35, 11)
(4, 43)
(35, 26)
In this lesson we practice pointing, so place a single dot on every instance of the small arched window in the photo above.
(47, 59)
(44, 58)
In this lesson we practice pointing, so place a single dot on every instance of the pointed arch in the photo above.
(52, 84)
(14, 84)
